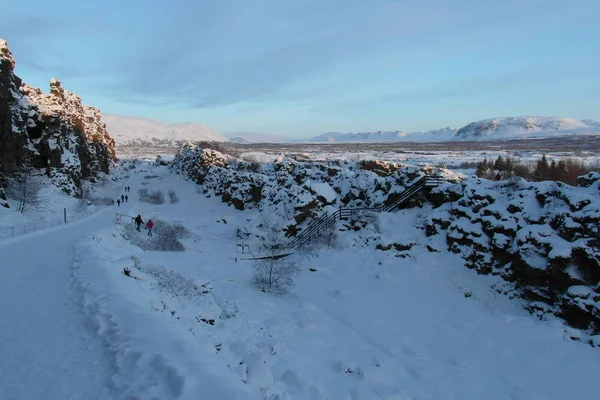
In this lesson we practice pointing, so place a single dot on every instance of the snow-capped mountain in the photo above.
(513, 127)
(127, 130)
(489, 129)
(382, 136)
(253, 137)
(591, 122)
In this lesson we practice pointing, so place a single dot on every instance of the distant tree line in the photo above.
(565, 170)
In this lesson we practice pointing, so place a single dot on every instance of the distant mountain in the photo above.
(489, 129)
(127, 130)
(252, 137)
(382, 136)
(515, 127)
(591, 122)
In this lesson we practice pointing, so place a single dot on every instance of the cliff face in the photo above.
(64, 137)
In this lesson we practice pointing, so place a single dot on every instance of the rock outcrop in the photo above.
(296, 190)
(542, 238)
(55, 131)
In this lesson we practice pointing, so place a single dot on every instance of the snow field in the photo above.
(360, 323)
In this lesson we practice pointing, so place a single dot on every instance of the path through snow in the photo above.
(48, 348)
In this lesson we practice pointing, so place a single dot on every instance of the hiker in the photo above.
(118, 203)
(149, 226)
(126, 199)
(122, 198)
(138, 222)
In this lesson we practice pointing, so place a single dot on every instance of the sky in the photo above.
(299, 68)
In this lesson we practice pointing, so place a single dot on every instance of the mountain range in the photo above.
(134, 130)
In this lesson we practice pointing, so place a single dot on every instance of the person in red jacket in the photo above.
(149, 226)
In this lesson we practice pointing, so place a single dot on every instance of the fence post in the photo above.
(65, 211)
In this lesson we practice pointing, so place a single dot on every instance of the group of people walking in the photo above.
(137, 220)
(124, 198)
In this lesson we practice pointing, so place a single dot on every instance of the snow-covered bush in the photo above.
(173, 199)
(24, 186)
(155, 197)
(274, 271)
(166, 237)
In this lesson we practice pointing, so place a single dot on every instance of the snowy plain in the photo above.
(359, 323)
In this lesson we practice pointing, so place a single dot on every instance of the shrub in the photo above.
(156, 197)
(101, 201)
(173, 199)
(274, 272)
(166, 237)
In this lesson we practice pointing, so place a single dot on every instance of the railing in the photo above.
(326, 221)
(23, 229)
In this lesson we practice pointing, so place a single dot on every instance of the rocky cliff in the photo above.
(540, 237)
(55, 131)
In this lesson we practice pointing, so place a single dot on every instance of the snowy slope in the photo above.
(513, 127)
(133, 129)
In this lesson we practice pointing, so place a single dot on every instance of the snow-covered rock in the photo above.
(542, 236)
(297, 191)
(62, 136)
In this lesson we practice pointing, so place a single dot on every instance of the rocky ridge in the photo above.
(61, 136)
(541, 237)
(292, 188)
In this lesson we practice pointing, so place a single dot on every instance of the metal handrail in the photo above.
(327, 220)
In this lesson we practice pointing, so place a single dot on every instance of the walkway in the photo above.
(47, 349)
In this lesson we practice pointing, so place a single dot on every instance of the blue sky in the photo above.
(303, 67)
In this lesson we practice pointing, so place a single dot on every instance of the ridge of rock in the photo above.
(61, 135)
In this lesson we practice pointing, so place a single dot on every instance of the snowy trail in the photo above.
(48, 350)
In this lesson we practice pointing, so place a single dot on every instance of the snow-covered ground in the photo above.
(359, 324)
(49, 210)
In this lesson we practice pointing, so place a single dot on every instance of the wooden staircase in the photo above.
(326, 222)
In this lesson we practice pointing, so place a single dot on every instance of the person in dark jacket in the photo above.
(122, 199)
(138, 222)
(126, 199)
(118, 203)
